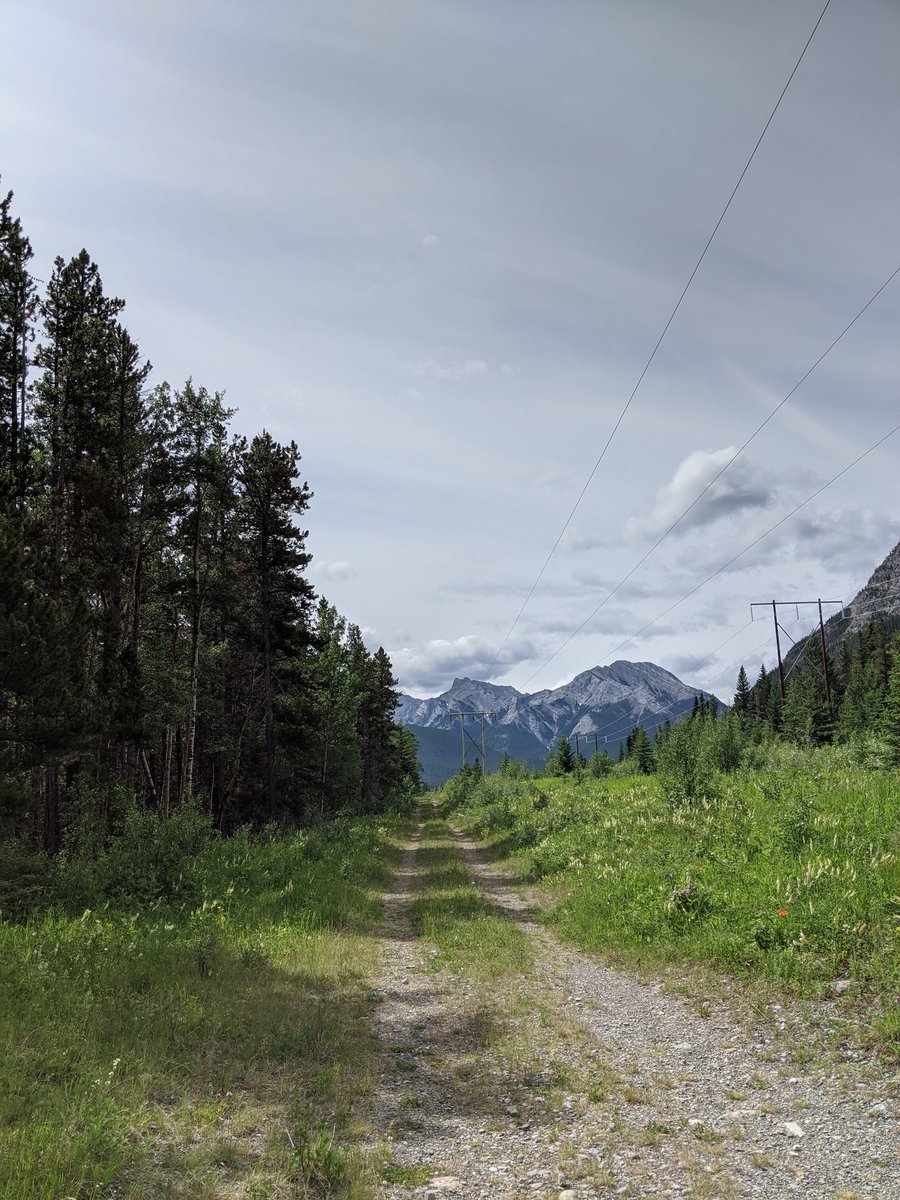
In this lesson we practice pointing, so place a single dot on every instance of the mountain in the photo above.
(879, 598)
(600, 707)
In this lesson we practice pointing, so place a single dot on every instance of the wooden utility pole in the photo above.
(779, 628)
(463, 734)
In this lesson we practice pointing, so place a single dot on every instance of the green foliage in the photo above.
(599, 764)
(791, 873)
(565, 756)
(157, 638)
(890, 720)
(135, 1033)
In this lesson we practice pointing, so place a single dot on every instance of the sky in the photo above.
(435, 243)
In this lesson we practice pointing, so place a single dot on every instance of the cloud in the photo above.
(432, 666)
(334, 570)
(450, 368)
(430, 239)
(742, 488)
(553, 477)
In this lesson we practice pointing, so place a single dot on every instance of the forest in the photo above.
(160, 643)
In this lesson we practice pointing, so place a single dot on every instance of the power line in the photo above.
(659, 341)
(740, 450)
(622, 724)
(756, 541)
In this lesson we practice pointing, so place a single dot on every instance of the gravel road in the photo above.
(575, 1080)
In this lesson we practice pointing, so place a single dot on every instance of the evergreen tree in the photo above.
(742, 696)
(599, 764)
(760, 697)
(890, 718)
(807, 718)
(643, 751)
(274, 551)
(565, 756)
(89, 416)
(17, 306)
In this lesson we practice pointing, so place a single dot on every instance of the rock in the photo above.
(567, 1194)
(842, 986)
(792, 1129)
(441, 1183)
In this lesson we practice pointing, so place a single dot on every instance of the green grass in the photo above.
(470, 932)
(789, 876)
(210, 1048)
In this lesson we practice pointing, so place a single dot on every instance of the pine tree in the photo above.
(643, 751)
(274, 550)
(565, 756)
(88, 429)
(760, 697)
(890, 717)
(742, 696)
(17, 306)
(807, 718)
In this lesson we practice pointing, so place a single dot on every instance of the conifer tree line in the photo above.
(864, 707)
(862, 683)
(159, 640)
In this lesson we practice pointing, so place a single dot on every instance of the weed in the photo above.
(402, 1176)
(317, 1163)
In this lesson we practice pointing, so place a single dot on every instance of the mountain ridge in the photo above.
(601, 705)
(878, 597)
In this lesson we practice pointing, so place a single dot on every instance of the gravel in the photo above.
(575, 1080)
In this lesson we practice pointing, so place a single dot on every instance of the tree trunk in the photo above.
(191, 729)
(268, 701)
(165, 791)
(51, 809)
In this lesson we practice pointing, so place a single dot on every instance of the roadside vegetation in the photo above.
(455, 913)
(189, 1017)
(786, 870)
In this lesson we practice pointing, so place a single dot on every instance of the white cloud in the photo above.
(450, 368)
(430, 665)
(333, 570)
(430, 239)
(742, 487)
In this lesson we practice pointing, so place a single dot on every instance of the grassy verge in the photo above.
(210, 1048)
(791, 877)
(453, 912)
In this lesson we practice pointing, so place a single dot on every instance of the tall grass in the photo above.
(790, 874)
(206, 1038)
(454, 912)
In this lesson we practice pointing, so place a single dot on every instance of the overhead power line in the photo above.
(740, 450)
(740, 554)
(659, 341)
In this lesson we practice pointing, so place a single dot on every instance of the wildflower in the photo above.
(782, 912)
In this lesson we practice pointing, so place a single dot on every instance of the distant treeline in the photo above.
(861, 705)
(159, 641)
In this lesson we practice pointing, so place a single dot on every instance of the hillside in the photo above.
(879, 598)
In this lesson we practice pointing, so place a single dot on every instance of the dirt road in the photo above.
(565, 1079)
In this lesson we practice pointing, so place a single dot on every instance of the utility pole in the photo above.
(463, 734)
(779, 628)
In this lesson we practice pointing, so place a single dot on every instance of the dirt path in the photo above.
(572, 1080)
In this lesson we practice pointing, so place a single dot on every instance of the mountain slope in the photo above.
(879, 598)
(599, 707)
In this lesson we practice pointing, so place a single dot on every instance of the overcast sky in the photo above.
(435, 243)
